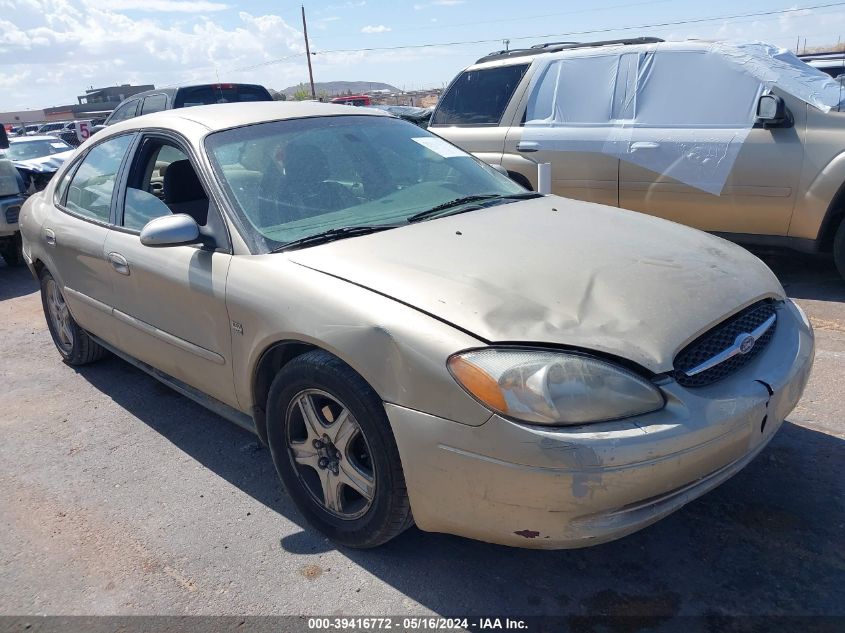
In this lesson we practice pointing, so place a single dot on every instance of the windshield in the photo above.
(28, 150)
(295, 178)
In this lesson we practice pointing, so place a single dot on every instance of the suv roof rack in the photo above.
(552, 47)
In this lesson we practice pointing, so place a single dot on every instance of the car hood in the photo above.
(558, 271)
(44, 164)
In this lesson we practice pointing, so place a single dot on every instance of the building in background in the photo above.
(95, 103)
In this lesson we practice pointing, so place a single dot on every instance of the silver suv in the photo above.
(741, 140)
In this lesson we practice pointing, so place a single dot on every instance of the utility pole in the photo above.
(308, 53)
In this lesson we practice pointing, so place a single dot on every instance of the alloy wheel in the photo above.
(59, 315)
(330, 454)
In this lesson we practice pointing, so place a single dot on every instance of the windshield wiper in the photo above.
(458, 202)
(331, 235)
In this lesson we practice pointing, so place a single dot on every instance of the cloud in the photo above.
(56, 48)
(164, 6)
(438, 3)
(381, 28)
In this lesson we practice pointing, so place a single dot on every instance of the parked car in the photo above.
(54, 127)
(87, 127)
(830, 63)
(36, 158)
(742, 140)
(11, 200)
(415, 336)
(182, 97)
(353, 100)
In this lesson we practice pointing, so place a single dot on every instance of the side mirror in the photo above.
(94, 129)
(170, 230)
(772, 112)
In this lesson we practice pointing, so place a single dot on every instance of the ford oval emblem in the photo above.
(746, 344)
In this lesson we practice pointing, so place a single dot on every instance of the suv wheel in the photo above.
(333, 448)
(73, 343)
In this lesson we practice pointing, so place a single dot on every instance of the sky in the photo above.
(52, 50)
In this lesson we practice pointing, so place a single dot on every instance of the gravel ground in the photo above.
(119, 496)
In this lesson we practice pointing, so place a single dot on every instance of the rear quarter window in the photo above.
(479, 97)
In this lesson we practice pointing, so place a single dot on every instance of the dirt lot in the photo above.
(120, 496)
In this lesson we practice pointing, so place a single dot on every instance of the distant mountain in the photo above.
(337, 88)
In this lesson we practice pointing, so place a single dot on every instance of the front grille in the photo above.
(721, 338)
(12, 214)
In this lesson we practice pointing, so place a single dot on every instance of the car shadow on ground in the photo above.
(805, 276)
(15, 281)
(767, 541)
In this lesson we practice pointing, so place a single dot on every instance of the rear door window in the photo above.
(123, 112)
(154, 103)
(479, 97)
(91, 187)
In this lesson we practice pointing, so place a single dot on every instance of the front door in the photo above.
(170, 300)
(727, 178)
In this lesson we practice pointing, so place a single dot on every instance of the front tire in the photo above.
(73, 343)
(333, 448)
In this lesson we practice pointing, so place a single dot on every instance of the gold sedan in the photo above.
(417, 338)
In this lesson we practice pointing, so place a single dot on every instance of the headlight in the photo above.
(553, 387)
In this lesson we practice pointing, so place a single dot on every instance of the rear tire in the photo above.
(334, 450)
(73, 343)
(839, 248)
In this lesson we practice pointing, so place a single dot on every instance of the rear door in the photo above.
(564, 119)
(75, 234)
(170, 301)
(472, 111)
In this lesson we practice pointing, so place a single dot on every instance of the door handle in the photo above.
(644, 145)
(527, 146)
(50, 237)
(119, 263)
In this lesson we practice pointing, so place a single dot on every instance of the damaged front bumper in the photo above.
(541, 487)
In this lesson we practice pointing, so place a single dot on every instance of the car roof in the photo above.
(526, 56)
(222, 116)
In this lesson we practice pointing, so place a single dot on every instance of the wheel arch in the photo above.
(832, 219)
(520, 179)
(270, 362)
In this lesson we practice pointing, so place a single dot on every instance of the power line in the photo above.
(440, 27)
(588, 32)
(278, 60)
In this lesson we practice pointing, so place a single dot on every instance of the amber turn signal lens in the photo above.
(478, 382)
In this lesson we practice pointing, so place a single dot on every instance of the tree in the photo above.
(302, 93)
